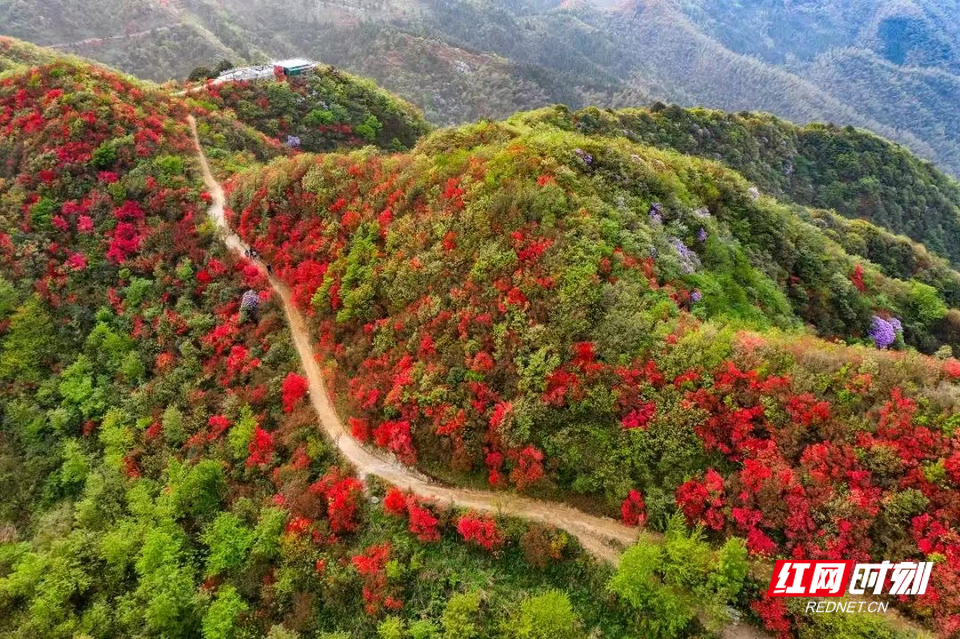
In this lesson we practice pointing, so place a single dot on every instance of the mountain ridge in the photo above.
(581, 55)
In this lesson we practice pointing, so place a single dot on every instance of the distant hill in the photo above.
(320, 111)
(856, 173)
(888, 66)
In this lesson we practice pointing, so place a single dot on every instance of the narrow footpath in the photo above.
(602, 536)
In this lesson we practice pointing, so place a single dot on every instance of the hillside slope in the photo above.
(321, 111)
(856, 173)
(16, 54)
(582, 317)
(160, 466)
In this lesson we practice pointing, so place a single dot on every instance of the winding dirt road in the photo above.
(603, 537)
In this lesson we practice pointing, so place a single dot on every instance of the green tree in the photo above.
(546, 616)
(198, 490)
(200, 73)
(30, 345)
(221, 619)
(229, 541)
(390, 628)
(661, 611)
(8, 298)
(461, 615)
(165, 591)
(925, 303)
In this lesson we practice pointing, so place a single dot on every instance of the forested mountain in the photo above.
(854, 172)
(728, 338)
(161, 472)
(573, 314)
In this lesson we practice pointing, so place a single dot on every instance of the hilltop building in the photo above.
(289, 68)
(294, 66)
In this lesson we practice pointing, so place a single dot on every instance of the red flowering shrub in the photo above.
(372, 568)
(164, 360)
(395, 502)
(294, 388)
(641, 417)
(633, 512)
(423, 523)
(774, 615)
(297, 526)
(500, 413)
(481, 531)
(528, 469)
(952, 466)
(395, 435)
(359, 429)
(261, 448)
(218, 425)
(702, 501)
(343, 496)
(857, 278)
(951, 368)
(494, 461)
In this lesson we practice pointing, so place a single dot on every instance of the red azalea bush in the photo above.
(423, 523)
(633, 511)
(294, 388)
(343, 496)
(261, 448)
(480, 530)
(372, 567)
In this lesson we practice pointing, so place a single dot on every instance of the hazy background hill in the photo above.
(890, 66)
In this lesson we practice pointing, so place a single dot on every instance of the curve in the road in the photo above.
(603, 537)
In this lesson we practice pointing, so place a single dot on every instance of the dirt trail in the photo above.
(602, 536)
(115, 38)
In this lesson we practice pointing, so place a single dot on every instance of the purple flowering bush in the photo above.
(884, 332)
(689, 260)
(250, 305)
(656, 213)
